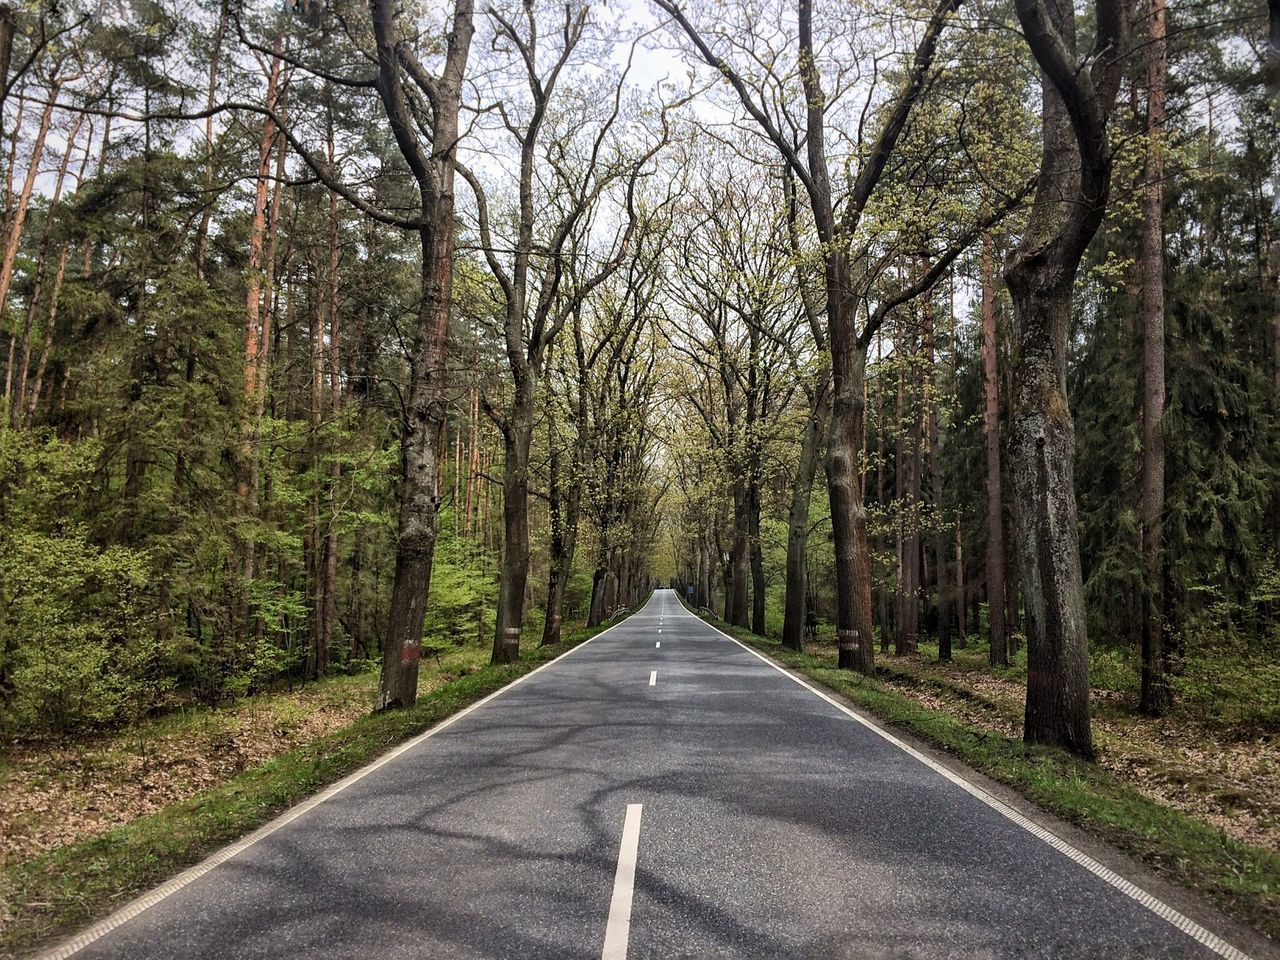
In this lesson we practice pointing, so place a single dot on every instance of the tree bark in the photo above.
(514, 569)
(1070, 202)
(329, 585)
(854, 637)
(256, 341)
(795, 601)
(425, 411)
(906, 638)
(999, 650)
(1155, 697)
(940, 572)
(738, 559)
(757, 554)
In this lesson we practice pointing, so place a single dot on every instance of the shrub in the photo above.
(78, 645)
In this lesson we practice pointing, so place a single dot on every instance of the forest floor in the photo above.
(59, 791)
(1195, 795)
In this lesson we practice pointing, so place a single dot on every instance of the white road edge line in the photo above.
(165, 890)
(653, 678)
(618, 930)
(1161, 909)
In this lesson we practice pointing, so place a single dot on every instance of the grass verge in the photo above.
(48, 897)
(1242, 880)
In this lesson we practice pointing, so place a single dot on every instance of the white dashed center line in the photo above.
(653, 678)
(618, 930)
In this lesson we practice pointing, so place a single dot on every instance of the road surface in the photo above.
(659, 792)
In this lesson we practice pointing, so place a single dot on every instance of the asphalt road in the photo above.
(765, 823)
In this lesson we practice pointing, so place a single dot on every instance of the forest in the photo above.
(933, 339)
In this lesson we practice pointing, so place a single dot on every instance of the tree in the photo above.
(551, 220)
(801, 142)
(1070, 201)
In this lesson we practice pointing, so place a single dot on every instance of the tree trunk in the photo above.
(425, 411)
(256, 342)
(595, 615)
(329, 586)
(848, 512)
(738, 559)
(884, 614)
(705, 573)
(1057, 710)
(906, 638)
(18, 409)
(940, 572)
(999, 653)
(14, 236)
(33, 398)
(563, 508)
(1156, 696)
(795, 601)
(757, 554)
(514, 568)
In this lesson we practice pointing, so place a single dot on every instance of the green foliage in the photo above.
(77, 634)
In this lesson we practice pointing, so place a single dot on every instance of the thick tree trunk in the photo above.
(1070, 201)
(623, 596)
(563, 511)
(854, 636)
(796, 598)
(738, 556)
(599, 579)
(1156, 696)
(1057, 710)
(562, 550)
(999, 653)
(425, 410)
(514, 569)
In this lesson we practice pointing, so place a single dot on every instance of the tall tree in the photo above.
(999, 650)
(1155, 693)
(801, 142)
(1070, 201)
(535, 299)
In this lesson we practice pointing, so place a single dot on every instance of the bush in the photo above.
(78, 645)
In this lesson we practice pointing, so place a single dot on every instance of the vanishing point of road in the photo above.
(661, 791)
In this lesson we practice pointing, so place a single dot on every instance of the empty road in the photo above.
(659, 792)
